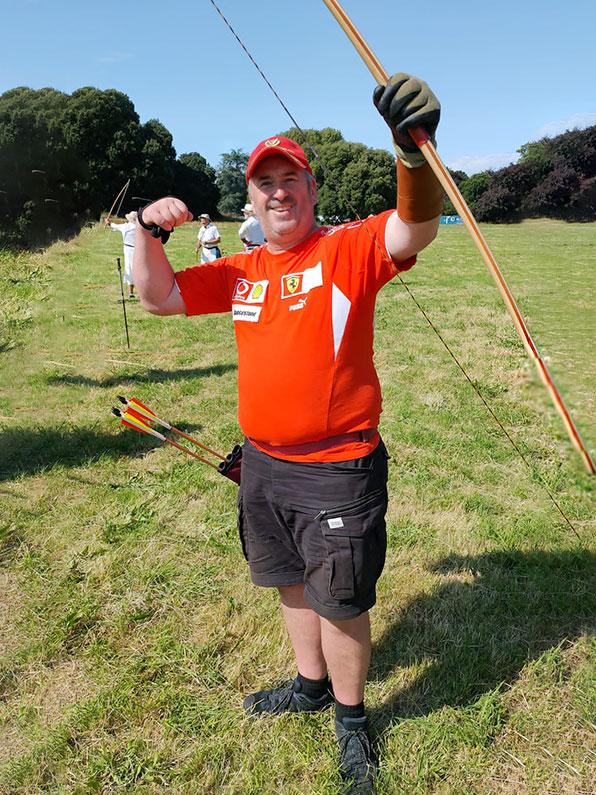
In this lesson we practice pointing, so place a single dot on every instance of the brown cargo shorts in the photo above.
(317, 524)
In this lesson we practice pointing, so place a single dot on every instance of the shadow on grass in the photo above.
(148, 377)
(29, 451)
(470, 637)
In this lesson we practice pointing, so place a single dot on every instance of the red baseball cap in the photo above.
(278, 145)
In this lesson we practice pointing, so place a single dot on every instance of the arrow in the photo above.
(147, 414)
(132, 419)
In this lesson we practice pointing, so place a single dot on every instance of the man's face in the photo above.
(283, 199)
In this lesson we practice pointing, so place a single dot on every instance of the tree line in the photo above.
(64, 157)
(554, 178)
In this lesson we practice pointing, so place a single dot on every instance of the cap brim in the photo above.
(279, 151)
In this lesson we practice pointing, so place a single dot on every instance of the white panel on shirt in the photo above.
(340, 309)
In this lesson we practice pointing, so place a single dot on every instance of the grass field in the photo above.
(129, 629)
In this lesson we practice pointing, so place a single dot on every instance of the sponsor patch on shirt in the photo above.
(250, 292)
(293, 284)
(300, 304)
(248, 313)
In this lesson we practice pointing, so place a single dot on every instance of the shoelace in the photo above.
(282, 697)
(363, 750)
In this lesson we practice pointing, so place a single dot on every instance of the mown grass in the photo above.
(129, 629)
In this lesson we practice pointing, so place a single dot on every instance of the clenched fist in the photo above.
(405, 102)
(166, 213)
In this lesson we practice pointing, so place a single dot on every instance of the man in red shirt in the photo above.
(313, 495)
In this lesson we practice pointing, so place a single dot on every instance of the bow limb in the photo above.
(421, 138)
(121, 193)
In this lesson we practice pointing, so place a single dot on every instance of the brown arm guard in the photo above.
(419, 194)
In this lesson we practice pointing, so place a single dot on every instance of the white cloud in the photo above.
(576, 122)
(473, 164)
(115, 57)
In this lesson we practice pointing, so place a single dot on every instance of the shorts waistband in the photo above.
(366, 435)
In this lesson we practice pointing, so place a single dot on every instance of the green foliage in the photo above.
(473, 187)
(63, 159)
(538, 155)
(352, 179)
(459, 177)
(231, 182)
(195, 184)
(555, 177)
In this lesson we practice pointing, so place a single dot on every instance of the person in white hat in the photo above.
(208, 240)
(128, 231)
(250, 232)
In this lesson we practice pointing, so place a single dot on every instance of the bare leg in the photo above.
(304, 629)
(342, 647)
(347, 648)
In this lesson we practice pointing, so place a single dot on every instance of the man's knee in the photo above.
(358, 626)
(292, 595)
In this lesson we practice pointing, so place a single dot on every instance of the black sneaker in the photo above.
(285, 698)
(356, 759)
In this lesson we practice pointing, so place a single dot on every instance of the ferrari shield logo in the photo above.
(292, 283)
(303, 282)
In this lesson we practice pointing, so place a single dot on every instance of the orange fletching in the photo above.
(145, 408)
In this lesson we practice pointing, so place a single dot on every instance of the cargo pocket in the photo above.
(240, 524)
(355, 537)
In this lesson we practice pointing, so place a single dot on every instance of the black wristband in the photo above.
(156, 231)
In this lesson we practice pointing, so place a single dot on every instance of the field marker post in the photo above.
(123, 301)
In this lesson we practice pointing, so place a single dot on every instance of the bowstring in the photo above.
(340, 191)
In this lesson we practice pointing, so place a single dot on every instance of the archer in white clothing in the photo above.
(208, 239)
(250, 232)
(127, 231)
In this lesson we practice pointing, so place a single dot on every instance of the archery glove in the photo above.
(406, 102)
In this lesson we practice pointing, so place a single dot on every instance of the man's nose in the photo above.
(280, 191)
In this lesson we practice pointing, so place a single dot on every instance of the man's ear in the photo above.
(313, 190)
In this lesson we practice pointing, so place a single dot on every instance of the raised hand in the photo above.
(166, 213)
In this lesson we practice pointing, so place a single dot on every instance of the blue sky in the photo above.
(505, 72)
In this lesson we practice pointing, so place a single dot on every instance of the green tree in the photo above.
(231, 181)
(352, 179)
(153, 172)
(473, 187)
(458, 177)
(195, 183)
(537, 154)
(33, 165)
(101, 129)
(63, 158)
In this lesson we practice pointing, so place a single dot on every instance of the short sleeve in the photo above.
(205, 289)
(364, 256)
